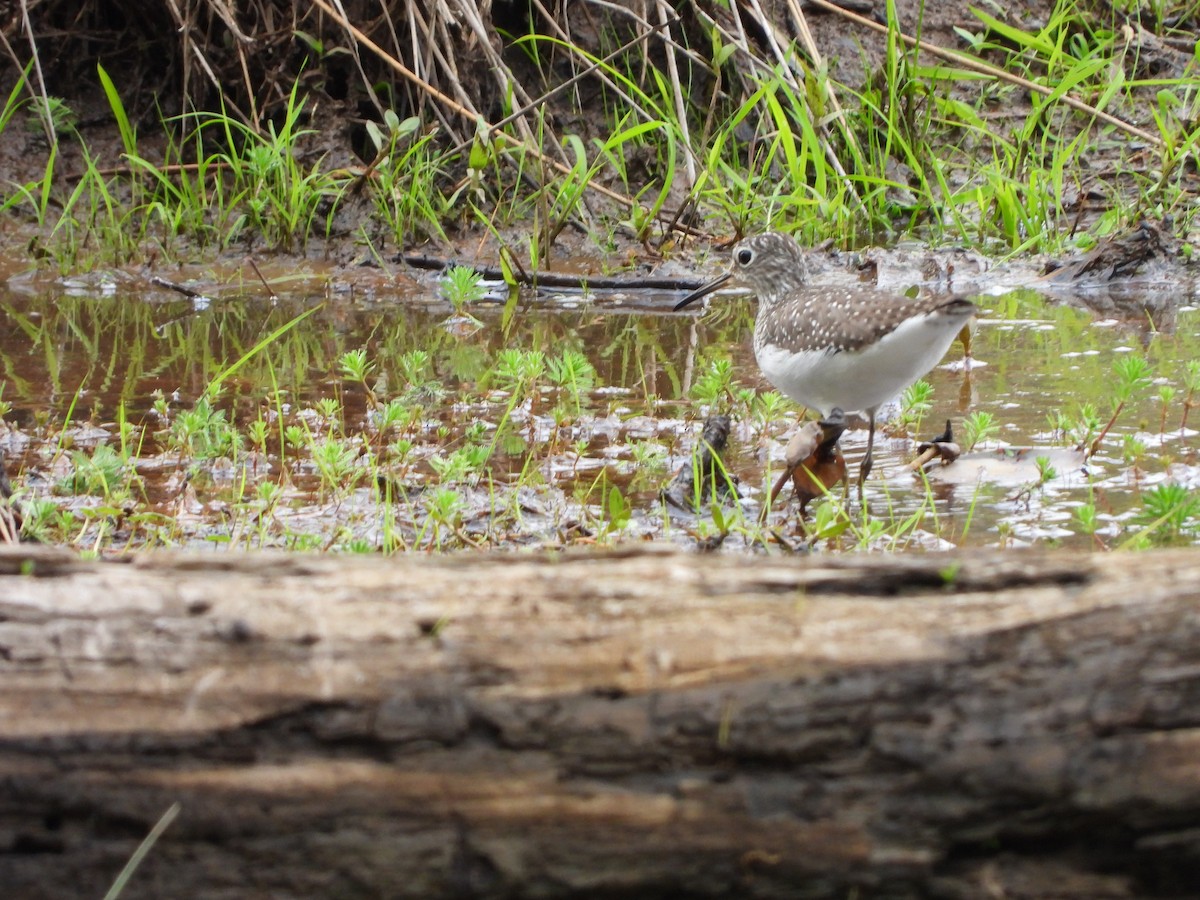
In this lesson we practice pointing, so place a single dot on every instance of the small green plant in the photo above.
(1191, 382)
(1169, 513)
(63, 121)
(573, 373)
(1084, 427)
(518, 371)
(414, 366)
(1060, 425)
(444, 511)
(395, 415)
(330, 411)
(1133, 450)
(354, 365)
(44, 521)
(769, 407)
(459, 465)
(979, 427)
(915, 402)
(281, 198)
(1086, 517)
(102, 473)
(715, 384)
(648, 455)
(337, 461)
(203, 432)
(462, 286)
(404, 178)
(296, 436)
(1045, 471)
(1132, 376)
(617, 510)
(257, 433)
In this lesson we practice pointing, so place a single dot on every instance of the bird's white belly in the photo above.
(862, 379)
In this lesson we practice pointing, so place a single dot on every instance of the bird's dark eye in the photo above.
(744, 256)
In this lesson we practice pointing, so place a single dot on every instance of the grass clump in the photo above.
(728, 134)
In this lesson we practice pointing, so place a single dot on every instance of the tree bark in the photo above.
(628, 723)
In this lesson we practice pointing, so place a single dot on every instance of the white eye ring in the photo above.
(744, 256)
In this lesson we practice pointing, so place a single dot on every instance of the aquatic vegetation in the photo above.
(273, 424)
(979, 427)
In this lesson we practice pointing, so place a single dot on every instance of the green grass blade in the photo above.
(128, 136)
(211, 390)
(144, 848)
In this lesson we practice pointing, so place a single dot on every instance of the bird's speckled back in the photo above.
(797, 317)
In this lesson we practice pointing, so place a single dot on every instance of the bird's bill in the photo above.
(702, 292)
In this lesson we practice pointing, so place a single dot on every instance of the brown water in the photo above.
(80, 359)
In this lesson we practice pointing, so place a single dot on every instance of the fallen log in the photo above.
(626, 723)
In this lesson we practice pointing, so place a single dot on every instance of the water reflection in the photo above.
(120, 368)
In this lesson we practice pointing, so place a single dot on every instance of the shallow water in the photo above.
(79, 359)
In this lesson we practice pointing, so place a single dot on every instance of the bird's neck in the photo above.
(784, 291)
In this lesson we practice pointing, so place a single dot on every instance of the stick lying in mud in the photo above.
(551, 279)
(178, 288)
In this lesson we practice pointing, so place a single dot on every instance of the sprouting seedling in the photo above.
(204, 432)
(1170, 510)
(102, 473)
(1046, 471)
(295, 436)
(519, 370)
(1166, 394)
(617, 509)
(1191, 381)
(462, 285)
(573, 373)
(413, 366)
(385, 142)
(978, 427)
(1085, 515)
(916, 400)
(715, 383)
(354, 366)
(1059, 424)
(329, 409)
(444, 509)
(1085, 426)
(769, 406)
(336, 460)
(1132, 376)
(257, 432)
(395, 414)
(1132, 449)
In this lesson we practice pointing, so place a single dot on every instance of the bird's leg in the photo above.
(867, 462)
(964, 338)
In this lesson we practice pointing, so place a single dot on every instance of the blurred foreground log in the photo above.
(633, 724)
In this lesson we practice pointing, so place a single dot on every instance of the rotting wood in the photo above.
(634, 723)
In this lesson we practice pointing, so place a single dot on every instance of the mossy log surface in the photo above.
(619, 724)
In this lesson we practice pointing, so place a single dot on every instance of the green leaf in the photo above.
(480, 149)
(617, 507)
(128, 137)
(375, 135)
(1021, 38)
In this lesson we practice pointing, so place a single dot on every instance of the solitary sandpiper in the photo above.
(848, 349)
